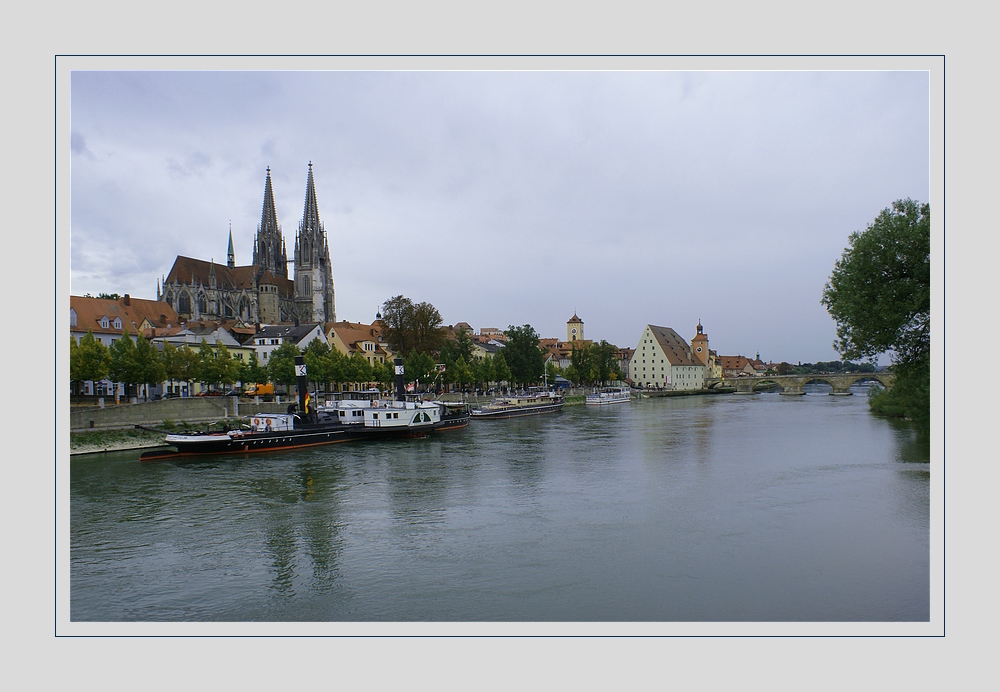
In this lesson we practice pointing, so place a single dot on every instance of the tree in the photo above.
(383, 375)
(227, 367)
(459, 347)
(281, 363)
(879, 296)
(523, 355)
(123, 366)
(188, 365)
(336, 364)
(428, 335)
(396, 314)
(358, 369)
(251, 371)
(149, 363)
(89, 360)
(552, 371)
(418, 366)
(317, 363)
(209, 370)
(482, 370)
(501, 371)
(412, 327)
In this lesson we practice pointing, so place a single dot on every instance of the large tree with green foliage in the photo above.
(880, 296)
(419, 366)
(124, 366)
(523, 356)
(318, 363)
(459, 347)
(412, 326)
(251, 371)
(88, 360)
(150, 364)
(595, 363)
(281, 363)
(501, 371)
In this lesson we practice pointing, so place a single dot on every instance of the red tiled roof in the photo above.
(132, 312)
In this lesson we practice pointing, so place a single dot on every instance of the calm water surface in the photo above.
(711, 508)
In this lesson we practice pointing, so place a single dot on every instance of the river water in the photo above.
(720, 508)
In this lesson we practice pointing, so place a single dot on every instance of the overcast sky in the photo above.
(510, 198)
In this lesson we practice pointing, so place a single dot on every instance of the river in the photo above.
(721, 508)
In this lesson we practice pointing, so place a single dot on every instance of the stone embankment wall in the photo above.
(152, 413)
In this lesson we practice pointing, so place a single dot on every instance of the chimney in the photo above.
(127, 299)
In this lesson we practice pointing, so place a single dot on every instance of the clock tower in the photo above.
(574, 329)
(699, 346)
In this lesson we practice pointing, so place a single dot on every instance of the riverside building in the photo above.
(663, 360)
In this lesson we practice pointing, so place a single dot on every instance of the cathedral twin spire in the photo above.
(314, 279)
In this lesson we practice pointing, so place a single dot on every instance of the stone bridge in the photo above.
(792, 384)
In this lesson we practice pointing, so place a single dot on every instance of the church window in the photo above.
(202, 305)
(184, 303)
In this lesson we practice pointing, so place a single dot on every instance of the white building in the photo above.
(663, 360)
(272, 336)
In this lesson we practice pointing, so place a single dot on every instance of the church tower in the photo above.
(314, 295)
(269, 245)
(574, 328)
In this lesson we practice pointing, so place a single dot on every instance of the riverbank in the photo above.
(112, 441)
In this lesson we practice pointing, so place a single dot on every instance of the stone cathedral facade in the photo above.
(260, 292)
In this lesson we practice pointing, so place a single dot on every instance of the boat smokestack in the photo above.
(302, 380)
(400, 380)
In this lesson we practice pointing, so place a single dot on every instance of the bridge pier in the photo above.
(792, 391)
(841, 392)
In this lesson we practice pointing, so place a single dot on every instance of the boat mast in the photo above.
(303, 383)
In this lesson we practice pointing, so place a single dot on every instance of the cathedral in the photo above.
(260, 292)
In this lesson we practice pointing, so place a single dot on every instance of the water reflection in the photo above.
(722, 507)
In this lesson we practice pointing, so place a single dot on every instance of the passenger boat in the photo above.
(609, 395)
(336, 421)
(519, 405)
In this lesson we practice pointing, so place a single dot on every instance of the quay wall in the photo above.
(152, 413)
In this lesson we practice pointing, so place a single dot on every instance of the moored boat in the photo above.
(609, 395)
(337, 421)
(519, 405)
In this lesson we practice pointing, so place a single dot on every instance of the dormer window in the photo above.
(72, 317)
(118, 323)
(105, 323)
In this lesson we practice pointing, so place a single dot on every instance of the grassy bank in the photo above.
(133, 438)
(112, 440)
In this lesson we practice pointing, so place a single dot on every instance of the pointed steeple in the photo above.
(313, 275)
(269, 245)
(310, 214)
(231, 255)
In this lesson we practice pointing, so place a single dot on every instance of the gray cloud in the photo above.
(512, 197)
